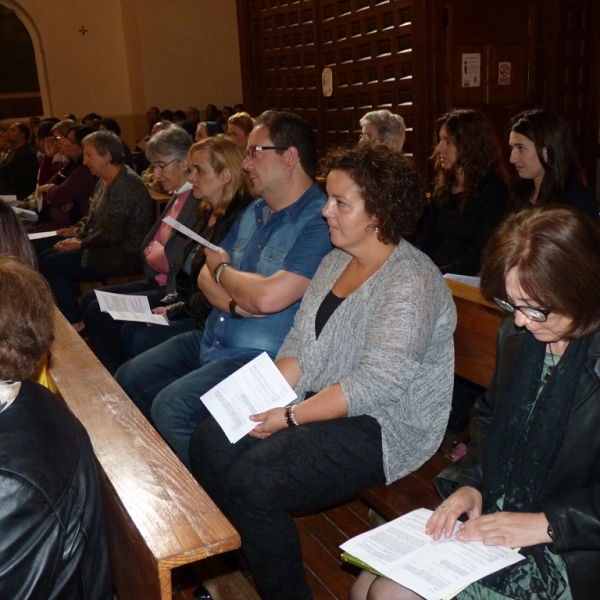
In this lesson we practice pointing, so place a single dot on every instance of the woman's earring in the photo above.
(376, 229)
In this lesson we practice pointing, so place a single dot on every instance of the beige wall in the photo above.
(136, 53)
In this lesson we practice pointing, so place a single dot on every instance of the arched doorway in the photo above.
(22, 81)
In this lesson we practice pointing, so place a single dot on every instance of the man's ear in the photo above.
(292, 157)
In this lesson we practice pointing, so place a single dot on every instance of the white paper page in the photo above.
(123, 307)
(401, 551)
(29, 215)
(187, 231)
(254, 388)
(468, 279)
(121, 315)
(9, 199)
(41, 234)
(122, 302)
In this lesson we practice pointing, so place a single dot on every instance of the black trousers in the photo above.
(258, 483)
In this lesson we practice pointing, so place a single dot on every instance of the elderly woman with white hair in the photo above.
(383, 127)
(167, 152)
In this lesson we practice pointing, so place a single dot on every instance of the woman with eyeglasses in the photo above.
(470, 194)
(383, 127)
(548, 170)
(167, 152)
(531, 475)
(222, 192)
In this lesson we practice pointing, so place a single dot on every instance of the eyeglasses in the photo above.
(367, 137)
(60, 137)
(162, 166)
(254, 150)
(535, 314)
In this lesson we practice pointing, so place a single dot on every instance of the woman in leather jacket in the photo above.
(53, 543)
(220, 184)
(531, 475)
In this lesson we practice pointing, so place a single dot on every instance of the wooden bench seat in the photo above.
(158, 517)
(475, 359)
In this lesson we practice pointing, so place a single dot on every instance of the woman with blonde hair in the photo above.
(219, 183)
(239, 127)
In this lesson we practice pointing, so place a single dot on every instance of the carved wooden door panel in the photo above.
(367, 44)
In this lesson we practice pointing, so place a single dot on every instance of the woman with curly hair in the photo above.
(370, 356)
(543, 154)
(470, 195)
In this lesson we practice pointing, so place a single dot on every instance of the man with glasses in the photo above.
(18, 173)
(255, 283)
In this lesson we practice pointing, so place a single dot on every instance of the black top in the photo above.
(327, 308)
(455, 240)
(188, 300)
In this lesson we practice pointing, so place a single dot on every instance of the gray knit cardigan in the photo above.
(390, 346)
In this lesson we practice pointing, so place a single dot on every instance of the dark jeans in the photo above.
(137, 337)
(258, 483)
(63, 270)
(45, 243)
(166, 383)
(105, 332)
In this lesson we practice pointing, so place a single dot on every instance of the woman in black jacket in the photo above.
(531, 475)
(470, 195)
(220, 184)
(548, 170)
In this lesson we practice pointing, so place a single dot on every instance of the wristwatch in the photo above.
(550, 532)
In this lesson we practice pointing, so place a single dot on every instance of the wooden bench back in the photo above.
(475, 335)
(158, 516)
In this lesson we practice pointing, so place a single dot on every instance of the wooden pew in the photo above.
(158, 517)
(475, 358)
(475, 334)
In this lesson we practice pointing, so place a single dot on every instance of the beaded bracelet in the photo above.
(290, 419)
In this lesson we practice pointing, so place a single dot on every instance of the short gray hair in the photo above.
(389, 126)
(174, 143)
(106, 142)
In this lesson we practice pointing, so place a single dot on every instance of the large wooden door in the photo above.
(367, 45)
(490, 57)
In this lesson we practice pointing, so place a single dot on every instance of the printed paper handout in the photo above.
(254, 388)
(123, 307)
(403, 552)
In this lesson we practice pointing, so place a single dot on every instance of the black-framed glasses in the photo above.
(535, 314)
(161, 166)
(254, 150)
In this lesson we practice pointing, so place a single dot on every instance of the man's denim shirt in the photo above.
(294, 239)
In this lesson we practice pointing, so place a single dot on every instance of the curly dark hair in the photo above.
(479, 153)
(26, 319)
(388, 184)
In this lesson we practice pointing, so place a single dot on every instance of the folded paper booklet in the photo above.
(402, 551)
